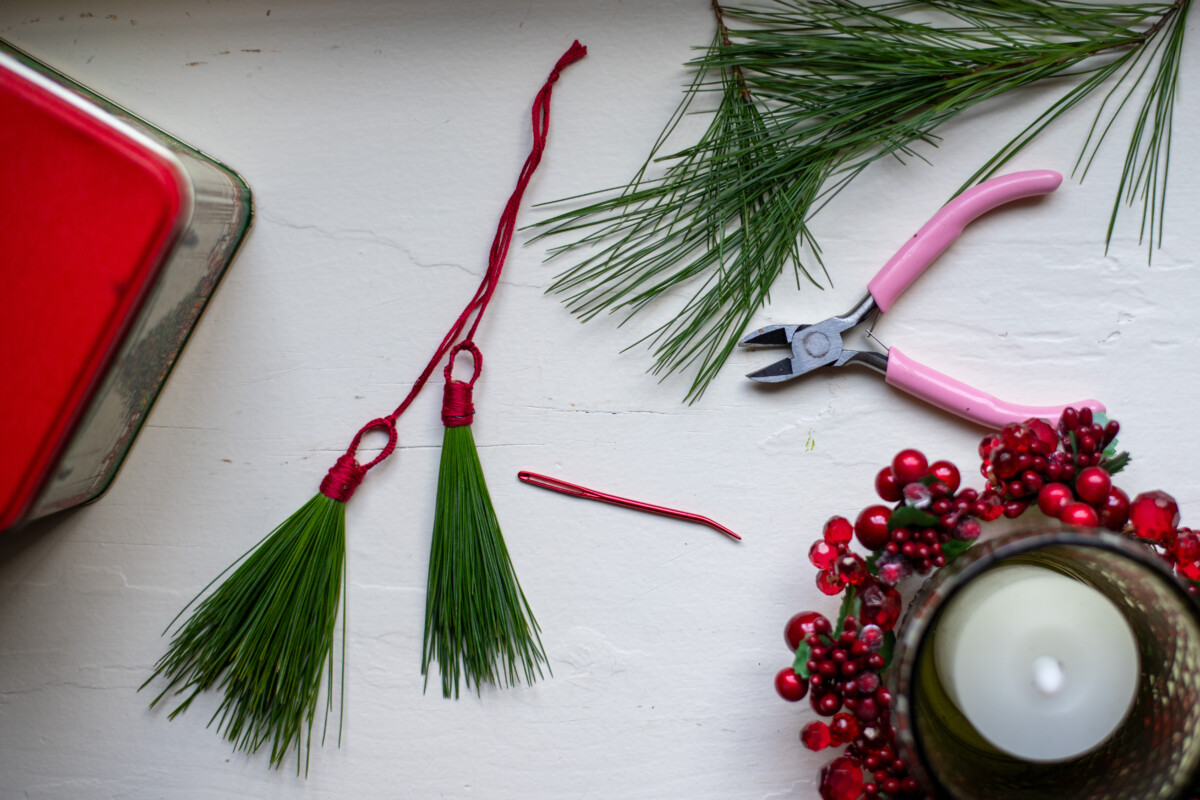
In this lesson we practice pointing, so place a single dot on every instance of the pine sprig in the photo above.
(265, 636)
(811, 92)
(478, 625)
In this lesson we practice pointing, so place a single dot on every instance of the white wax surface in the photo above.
(1043, 666)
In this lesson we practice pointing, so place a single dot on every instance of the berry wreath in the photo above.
(842, 666)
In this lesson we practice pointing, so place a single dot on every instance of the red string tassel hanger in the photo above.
(478, 624)
(264, 637)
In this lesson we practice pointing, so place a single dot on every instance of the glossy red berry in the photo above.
(829, 583)
(827, 704)
(843, 728)
(838, 530)
(967, 529)
(868, 709)
(918, 495)
(886, 485)
(879, 605)
(871, 637)
(1092, 485)
(1115, 511)
(871, 527)
(852, 569)
(989, 445)
(1155, 515)
(1015, 508)
(1005, 463)
(1080, 514)
(1053, 498)
(1018, 438)
(909, 466)
(816, 736)
(946, 473)
(822, 554)
(893, 571)
(988, 508)
(803, 625)
(1045, 439)
(1187, 555)
(790, 686)
(841, 779)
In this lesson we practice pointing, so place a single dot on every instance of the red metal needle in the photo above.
(554, 484)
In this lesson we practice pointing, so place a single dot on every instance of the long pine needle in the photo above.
(808, 94)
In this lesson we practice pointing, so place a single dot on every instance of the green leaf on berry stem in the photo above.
(848, 605)
(800, 665)
(1117, 463)
(888, 648)
(910, 517)
(1110, 452)
(872, 562)
(954, 548)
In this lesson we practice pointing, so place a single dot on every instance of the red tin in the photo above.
(113, 237)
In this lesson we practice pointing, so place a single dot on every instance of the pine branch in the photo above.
(812, 92)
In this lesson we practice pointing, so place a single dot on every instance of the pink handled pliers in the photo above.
(820, 345)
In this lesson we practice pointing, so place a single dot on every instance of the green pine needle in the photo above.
(265, 636)
(478, 625)
(808, 93)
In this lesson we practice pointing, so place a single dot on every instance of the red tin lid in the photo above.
(89, 210)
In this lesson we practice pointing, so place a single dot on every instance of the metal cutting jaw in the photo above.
(813, 346)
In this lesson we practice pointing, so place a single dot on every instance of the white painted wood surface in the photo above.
(381, 140)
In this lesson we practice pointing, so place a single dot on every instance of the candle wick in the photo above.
(1048, 676)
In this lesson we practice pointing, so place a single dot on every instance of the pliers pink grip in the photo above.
(820, 345)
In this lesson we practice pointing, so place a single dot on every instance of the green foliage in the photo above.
(955, 548)
(888, 649)
(1116, 463)
(800, 662)
(478, 625)
(812, 92)
(910, 517)
(264, 637)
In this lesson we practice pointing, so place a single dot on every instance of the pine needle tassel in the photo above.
(264, 636)
(478, 624)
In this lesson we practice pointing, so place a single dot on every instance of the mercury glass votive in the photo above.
(1146, 746)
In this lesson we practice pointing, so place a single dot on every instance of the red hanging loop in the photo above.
(346, 474)
(458, 407)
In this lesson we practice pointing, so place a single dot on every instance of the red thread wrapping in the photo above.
(457, 406)
(343, 478)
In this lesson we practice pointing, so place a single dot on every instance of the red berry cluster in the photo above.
(843, 671)
(1064, 471)
(915, 542)
(843, 779)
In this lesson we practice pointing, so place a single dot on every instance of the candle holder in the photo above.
(1153, 753)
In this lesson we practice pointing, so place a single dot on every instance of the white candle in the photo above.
(1043, 666)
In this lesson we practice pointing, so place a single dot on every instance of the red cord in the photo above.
(458, 397)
